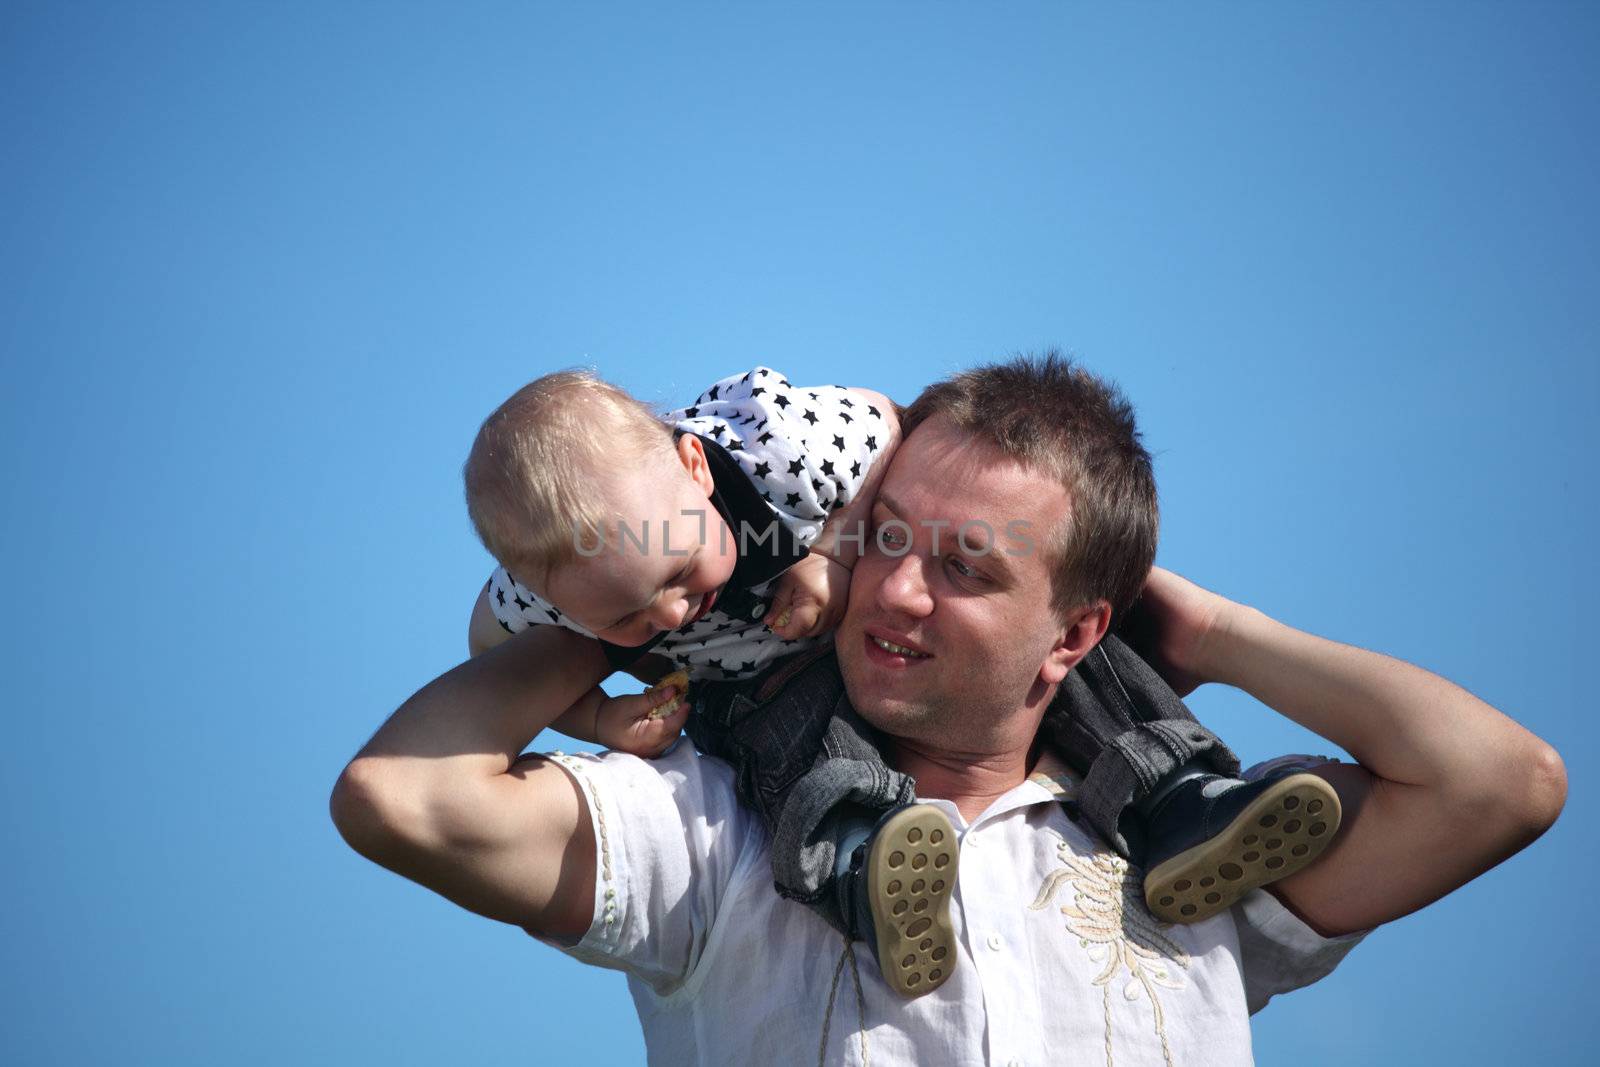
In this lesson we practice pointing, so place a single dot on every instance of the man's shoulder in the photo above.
(683, 783)
(681, 764)
(645, 799)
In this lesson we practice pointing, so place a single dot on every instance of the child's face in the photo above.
(627, 594)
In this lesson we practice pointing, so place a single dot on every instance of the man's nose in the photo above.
(904, 588)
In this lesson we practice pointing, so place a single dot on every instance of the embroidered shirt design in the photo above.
(1108, 916)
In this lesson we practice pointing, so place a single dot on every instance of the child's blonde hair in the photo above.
(534, 476)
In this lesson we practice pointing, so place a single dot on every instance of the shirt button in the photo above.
(994, 942)
(757, 611)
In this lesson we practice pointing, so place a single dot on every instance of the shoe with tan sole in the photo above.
(910, 876)
(1215, 839)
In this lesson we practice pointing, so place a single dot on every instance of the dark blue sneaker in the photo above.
(1213, 839)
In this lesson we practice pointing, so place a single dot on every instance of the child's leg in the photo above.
(1119, 725)
(806, 763)
(839, 817)
(1164, 791)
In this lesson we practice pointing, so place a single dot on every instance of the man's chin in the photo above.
(866, 690)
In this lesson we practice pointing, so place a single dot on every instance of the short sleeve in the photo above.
(670, 838)
(807, 450)
(1278, 952)
(516, 607)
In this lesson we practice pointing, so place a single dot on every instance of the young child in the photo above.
(720, 539)
(708, 542)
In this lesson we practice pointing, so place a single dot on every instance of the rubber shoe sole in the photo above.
(911, 874)
(1278, 833)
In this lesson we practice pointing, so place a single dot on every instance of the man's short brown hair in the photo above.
(1059, 419)
(538, 467)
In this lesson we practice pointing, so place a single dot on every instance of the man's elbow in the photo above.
(357, 809)
(1545, 793)
(1514, 798)
(377, 811)
(402, 812)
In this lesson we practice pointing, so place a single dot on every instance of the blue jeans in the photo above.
(807, 763)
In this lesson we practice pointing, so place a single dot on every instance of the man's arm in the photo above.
(438, 796)
(1445, 787)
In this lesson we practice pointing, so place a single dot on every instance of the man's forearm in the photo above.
(475, 720)
(1445, 787)
(1399, 721)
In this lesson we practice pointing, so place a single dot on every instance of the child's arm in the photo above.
(844, 536)
(811, 595)
(641, 724)
(635, 723)
(483, 629)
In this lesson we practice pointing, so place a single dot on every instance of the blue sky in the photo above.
(266, 266)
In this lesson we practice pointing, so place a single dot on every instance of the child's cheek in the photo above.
(719, 567)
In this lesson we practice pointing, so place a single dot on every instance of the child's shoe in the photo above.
(1211, 839)
(904, 876)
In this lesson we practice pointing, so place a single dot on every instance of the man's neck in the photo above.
(971, 781)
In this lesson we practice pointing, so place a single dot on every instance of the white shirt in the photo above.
(1059, 962)
(806, 450)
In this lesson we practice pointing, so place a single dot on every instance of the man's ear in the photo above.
(1084, 627)
(692, 454)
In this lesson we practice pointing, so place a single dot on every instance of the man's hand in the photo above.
(1173, 625)
(810, 600)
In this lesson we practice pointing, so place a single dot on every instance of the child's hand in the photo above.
(811, 598)
(644, 724)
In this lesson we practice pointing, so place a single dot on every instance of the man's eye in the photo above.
(960, 567)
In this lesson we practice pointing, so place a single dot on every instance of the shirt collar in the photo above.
(1054, 775)
(1050, 782)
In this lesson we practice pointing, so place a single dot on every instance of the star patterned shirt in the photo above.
(783, 460)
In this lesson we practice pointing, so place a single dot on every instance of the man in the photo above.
(953, 655)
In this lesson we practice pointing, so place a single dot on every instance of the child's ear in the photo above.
(692, 454)
(1084, 628)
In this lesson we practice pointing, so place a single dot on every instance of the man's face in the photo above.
(976, 617)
